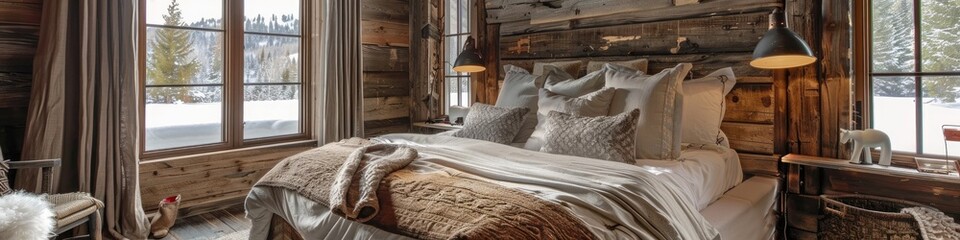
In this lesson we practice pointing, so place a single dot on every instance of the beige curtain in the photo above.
(341, 94)
(84, 106)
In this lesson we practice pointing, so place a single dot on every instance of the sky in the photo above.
(194, 10)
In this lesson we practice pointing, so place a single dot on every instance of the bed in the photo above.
(707, 181)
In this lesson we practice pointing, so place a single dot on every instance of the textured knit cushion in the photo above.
(570, 67)
(638, 64)
(558, 81)
(520, 90)
(489, 123)
(704, 102)
(591, 105)
(4, 182)
(608, 138)
(660, 100)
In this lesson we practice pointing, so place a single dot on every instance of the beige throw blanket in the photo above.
(354, 191)
(431, 205)
(934, 224)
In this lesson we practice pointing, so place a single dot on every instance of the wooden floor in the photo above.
(210, 225)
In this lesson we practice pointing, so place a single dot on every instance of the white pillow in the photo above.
(520, 90)
(558, 81)
(638, 64)
(570, 67)
(590, 105)
(704, 103)
(660, 100)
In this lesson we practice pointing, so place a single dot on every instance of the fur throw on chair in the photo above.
(25, 215)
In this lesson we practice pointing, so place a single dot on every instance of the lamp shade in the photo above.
(469, 59)
(781, 48)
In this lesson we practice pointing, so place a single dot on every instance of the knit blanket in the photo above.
(423, 205)
(934, 224)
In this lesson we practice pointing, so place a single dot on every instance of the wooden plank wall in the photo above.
(386, 66)
(426, 65)
(19, 33)
(711, 34)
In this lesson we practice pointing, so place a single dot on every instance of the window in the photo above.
(221, 74)
(913, 83)
(456, 31)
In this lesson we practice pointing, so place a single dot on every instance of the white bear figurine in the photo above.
(865, 140)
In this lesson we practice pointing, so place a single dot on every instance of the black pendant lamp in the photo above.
(469, 59)
(781, 48)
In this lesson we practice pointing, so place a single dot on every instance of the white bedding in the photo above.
(681, 189)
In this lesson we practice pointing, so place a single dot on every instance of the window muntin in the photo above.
(189, 78)
(456, 30)
(915, 72)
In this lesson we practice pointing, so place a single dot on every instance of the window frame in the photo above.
(457, 75)
(232, 84)
(863, 63)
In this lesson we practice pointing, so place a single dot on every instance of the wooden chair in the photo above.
(71, 209)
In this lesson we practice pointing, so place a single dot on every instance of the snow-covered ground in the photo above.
(897, 117)
(178, 125)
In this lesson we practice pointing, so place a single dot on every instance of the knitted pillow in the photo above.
(609, 138)
(4, 182)
(495, 124)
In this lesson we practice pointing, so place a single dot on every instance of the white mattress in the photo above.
(703, 174)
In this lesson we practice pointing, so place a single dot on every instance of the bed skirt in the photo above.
(281, 230)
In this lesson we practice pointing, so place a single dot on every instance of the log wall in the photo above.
(711, 34)
(19, 33)
(386, 66)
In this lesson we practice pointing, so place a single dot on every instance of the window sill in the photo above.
(892, 171)
(300, 143)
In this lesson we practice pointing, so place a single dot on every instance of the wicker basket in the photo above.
(866, 217)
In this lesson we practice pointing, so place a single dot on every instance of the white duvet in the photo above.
(615, 200)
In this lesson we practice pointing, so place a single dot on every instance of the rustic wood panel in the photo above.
(756, 164)
(425, 69)
(385, 33)
(18, 44)
(379, 127)
(14, 89)
(734, 33)
(835, 65)
(386, 84)
(749, 138)
(943, 196)
(380, 108)
(395, 11)
(385, 59)
(704, 9)
(207, 179)
(802, 211)
(750, 103)
(20, 12)
(803, 83)
(577, 9)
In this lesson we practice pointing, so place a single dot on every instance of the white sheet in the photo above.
(704, 174)
(612, 200)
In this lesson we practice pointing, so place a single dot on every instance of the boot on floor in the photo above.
(165, 217)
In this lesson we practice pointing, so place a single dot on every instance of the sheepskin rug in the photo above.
(26, 216)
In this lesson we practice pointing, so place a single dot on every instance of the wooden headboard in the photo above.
(710, 34)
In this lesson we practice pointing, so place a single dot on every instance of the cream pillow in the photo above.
(638, 64)
(558, 81)
(590, 105)
(704, 104)
(520, 90)
(570, 67)
(660, 100)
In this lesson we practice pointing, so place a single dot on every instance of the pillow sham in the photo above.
(520, 89)
(704, 104)
(4, 182)
(608, 138)
(490, 123)
(558, 81)
(638, 64)
(590, 105)
(660, 100)
(570, 67)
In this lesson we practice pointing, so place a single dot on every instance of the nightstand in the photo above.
(808, 177)
(432, 128)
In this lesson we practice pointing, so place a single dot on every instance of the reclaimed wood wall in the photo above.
(386, 66)
(19, 33)
(426, 21)
(711, 34)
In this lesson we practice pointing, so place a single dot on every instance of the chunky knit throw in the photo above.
(433, 205)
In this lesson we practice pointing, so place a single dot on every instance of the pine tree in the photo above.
(893, 46)
(940, 24)
(170, 62)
